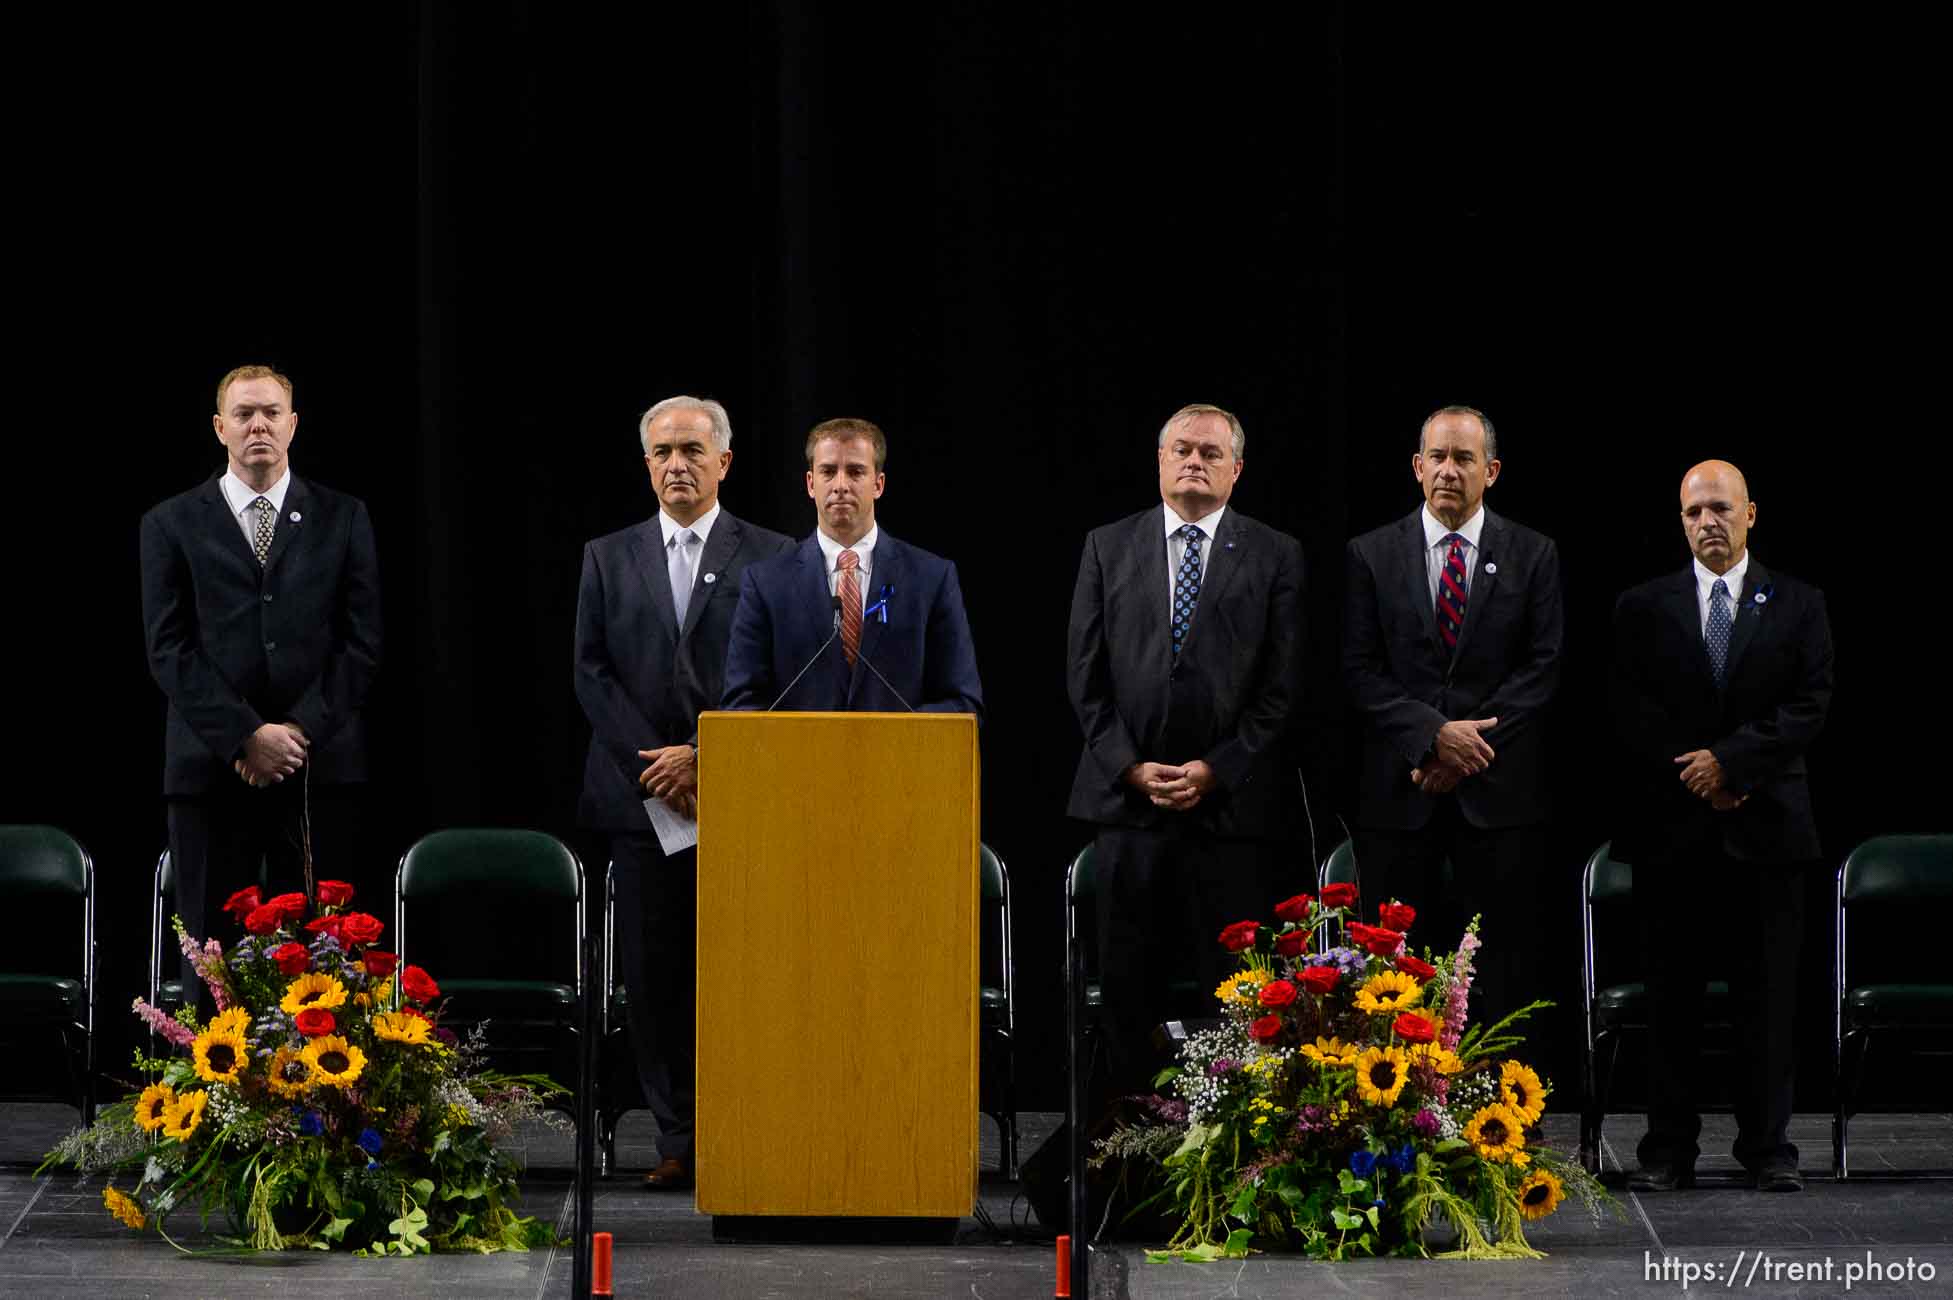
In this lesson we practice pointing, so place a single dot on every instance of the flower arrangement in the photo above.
(1342, 1104)
(324, 1105)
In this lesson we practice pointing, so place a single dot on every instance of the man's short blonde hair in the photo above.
(251, 372)
(847, 429)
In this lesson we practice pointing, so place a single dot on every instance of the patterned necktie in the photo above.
(1186, 588)
(1717, 632)
(1451, 593)
(680, 569)
(850, 593)
(261, 533)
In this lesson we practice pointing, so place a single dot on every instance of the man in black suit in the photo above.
(1184, 670)
(261, 615)
(1451, 654)
(1722, 679)
(653, 612)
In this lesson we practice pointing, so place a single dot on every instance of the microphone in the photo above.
(833, 632)
(885, 682)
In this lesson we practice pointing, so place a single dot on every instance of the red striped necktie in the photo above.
(850, 594)
(1451, 593)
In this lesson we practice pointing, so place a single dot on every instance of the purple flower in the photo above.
(1424, 1124)
(311, 1124)
(370, 1141)
(1362, 1163)
(1349, 961)
(1220, 1066)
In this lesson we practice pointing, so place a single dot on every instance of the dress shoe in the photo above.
(1661, 1178)
(1779, 1178)
(669, 1176)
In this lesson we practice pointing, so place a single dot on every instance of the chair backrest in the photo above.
(487, 860)
(42, 860)
(996, 893)
(1339, 868)
(1898, 868)
(1605, 880)
(1081, 883)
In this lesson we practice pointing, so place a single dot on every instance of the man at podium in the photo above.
(851, 620)
(1184, 669)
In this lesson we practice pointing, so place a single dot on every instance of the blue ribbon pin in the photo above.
(879, 610)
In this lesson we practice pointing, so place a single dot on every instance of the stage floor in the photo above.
(59, 1241)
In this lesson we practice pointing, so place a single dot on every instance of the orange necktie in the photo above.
(850, 605)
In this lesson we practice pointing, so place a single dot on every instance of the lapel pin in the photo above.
(296, 516)
(1761, 597)
(1491, 567)
(711, 578)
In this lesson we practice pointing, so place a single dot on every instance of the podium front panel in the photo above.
(837, 964)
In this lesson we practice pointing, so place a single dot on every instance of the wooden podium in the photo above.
(837, 965)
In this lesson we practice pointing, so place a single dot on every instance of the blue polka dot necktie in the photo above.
(1186, 588)
(1717, 632)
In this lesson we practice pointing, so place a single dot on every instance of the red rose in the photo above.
(1266, 1030)
(292, 958)
(1294, 909)
(290, 906)
(334, 893)
(1239, 935)
(242, 902)
(1397, 916)
(315, 1022)
(1412, 966)
(1277, 993)
(1383, 943)
(1338, 895)
(1318, 979)
(360, 928)
(1414, 1029)
(326, 925)
(379, 964)
(419, 985)
(263, 919)
(1292, 943)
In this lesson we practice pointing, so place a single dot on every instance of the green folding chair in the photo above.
(997, 1009)
(42, 865)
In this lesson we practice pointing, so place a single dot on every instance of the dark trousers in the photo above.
(222, 840)
(657, 958)
(1495, 875)
(1163, 897)
(1705, 915)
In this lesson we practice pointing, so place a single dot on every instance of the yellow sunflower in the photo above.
(334, 1061)
(1496, 1132)
(1330, 1051)
(1522, 1090)
(1240, 989)
(234, 1021)
(1380, 1075)
(184, 1114)
(219, 1057)
(1388, 993)
(313, 990)
(1441, 1059)
(1540, 1194)
(123, 1208)
(288, 1075)
(399, 1027)
(153, 1106)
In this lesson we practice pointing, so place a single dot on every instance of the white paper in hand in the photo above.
(675, 832)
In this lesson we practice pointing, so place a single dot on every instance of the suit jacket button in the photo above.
(267, 598)
(271, 645)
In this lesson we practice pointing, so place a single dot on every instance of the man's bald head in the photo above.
(1717, 514)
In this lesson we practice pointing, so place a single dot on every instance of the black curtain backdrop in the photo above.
(482, 238)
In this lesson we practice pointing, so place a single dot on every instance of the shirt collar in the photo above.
(239, 495)
(865, 548)
(701, 527)
(1209, 523)
(1705, 579)
(1435, 531)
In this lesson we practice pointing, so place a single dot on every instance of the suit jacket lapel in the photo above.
(649, 559)
(1484, 584)
(1680, 604)
(889, 574)
(1145, 563)
(1227, 553)
(224, 523)
(1748, 616)
(712, 561)
(289, 526)
(1417, 571)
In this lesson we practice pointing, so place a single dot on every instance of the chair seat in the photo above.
(474, 999)
(1622, 1006)
(1874, 1005)
(169, 994)
(40, 999)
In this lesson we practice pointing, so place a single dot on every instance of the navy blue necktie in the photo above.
(1186, 588)
(1717, 632)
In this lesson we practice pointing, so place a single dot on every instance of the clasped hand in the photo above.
(672, 777)
(1177, 789)
(1702, 773)
(271, 753)
(1459, 751)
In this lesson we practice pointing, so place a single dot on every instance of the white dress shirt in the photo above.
(701, 529)
(1176, 545)
(239, 495)
(864, 551)
(1705, 582)
(1436, 548)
